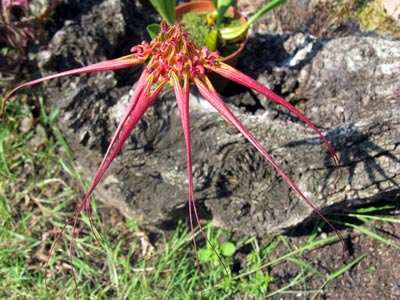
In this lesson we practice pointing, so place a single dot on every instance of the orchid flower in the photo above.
(172, 58)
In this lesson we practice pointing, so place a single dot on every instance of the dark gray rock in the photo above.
(348, 86)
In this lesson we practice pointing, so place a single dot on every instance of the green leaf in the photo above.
(341, 271)
(264, 9)
(153, 30)
(234, 34)
(212, 40)
(204, 255)
(166, 8)
(373, 235)
(222, 7)
(369, 209)
(53, 114)
(228, 249)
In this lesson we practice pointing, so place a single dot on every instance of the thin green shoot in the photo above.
(339, 272)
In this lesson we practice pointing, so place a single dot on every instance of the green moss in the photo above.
(372, 17)
(196, 24)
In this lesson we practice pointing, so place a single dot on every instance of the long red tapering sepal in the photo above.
(245, 80)
(211, 95)
(108, 65)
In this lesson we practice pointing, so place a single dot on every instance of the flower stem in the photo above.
(263, 10)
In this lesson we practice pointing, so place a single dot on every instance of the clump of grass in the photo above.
(33, 195)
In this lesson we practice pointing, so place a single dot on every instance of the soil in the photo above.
(376, 276)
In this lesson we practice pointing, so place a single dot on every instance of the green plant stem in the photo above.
(263, 10)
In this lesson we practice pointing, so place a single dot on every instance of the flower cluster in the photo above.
(172, 51)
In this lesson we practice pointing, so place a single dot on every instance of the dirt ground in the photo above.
(376, 276)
